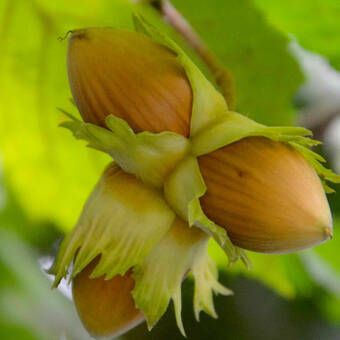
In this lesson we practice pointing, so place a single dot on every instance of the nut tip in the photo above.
(78, 34)
(328, 232)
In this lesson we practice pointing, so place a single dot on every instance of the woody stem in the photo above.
(223, 77)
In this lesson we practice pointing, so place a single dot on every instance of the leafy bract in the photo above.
(122, 221)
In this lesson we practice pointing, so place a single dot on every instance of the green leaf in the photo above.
(28, 307)
(314, 23)
(266, 75)
(329, 251)
(49, 174)
(266, 268)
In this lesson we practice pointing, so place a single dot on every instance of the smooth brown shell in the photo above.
(106, 307)
(129, 75)
(267, 196)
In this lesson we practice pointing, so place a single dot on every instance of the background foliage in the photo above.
(47, 175)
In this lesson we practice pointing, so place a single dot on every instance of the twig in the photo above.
(223, 77)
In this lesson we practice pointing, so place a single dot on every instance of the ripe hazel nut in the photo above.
(105, 307)
(129, 75)
(267, 196)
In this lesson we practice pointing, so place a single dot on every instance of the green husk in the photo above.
(205, 275)
(148, 156)
(122, 221)
(159, 277)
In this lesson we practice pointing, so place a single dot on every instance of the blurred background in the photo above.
(285, 60)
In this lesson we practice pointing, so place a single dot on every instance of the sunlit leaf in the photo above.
(266, 75)
(314, 23)
(49, 173)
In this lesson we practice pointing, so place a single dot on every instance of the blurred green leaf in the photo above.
(296, 273)
(334, 203)
(323, 274)
(266, 268)
(41, 234)
(315, 24)
(27, 303)
(329, 251)
(48, 171)
(253, 313)
(11, 331)
(266, 75)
